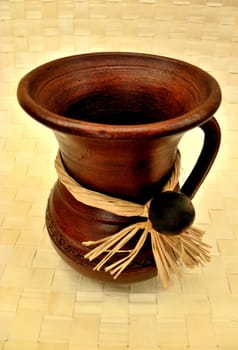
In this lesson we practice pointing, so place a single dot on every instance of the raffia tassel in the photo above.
(169, 251)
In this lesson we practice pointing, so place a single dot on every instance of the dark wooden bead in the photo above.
(171, 212)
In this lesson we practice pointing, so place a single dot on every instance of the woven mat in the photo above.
(44, 304)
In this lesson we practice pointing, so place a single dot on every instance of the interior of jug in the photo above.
(121, 92)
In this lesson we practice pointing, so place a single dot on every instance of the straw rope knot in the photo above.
(169, 251)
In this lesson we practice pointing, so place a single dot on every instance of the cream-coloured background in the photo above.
(44, 305)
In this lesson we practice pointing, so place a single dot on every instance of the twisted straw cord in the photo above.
(114, 205)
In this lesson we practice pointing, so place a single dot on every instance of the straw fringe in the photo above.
(169, 251)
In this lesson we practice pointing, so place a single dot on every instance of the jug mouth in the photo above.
(119, 95)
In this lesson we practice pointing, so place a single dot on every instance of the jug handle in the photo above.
(211, 143)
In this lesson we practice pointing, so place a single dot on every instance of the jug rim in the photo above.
(195, 117)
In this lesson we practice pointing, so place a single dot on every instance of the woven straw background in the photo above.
(44, 304)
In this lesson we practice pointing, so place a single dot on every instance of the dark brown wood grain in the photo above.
(118, 119)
